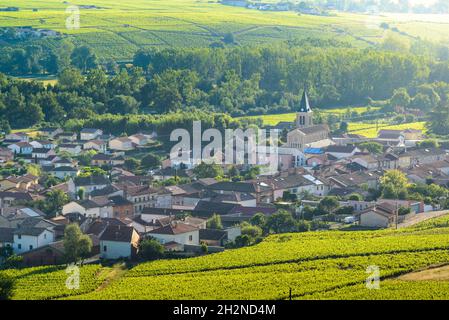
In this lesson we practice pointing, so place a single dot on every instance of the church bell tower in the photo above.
(304, 117)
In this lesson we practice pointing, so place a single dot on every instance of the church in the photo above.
(306, 134)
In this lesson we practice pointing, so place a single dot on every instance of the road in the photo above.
(422, 217)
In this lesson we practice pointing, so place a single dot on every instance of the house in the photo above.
(51, 133)
(8, 199)
(71, 148)
(91, 183)
(17, 136)
(122, 144)
(42, 153)
(118, 242)
(140, 139)
(29, 238)
(140, 196)
(262, 191)
(42, 144)
(23, 148)
(240, 198)
(424, 156)
(298, 184)
(101, 159)
(95, 208)
(213, 237)
(90, 134)
(6, 155)
(407, 134)
(24, 182)
(64, 162)
(341, 152)
(53, 253)
(6, 237)
(121, 207)
(64, 172)
(177, 232)
(378, 216)
(67, 136)
(98, 145)
(355, 180)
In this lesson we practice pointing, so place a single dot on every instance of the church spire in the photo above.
(304, 106)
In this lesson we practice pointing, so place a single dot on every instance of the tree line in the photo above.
(235, 81)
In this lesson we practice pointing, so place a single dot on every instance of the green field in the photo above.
(369, 130)
(274, 119)
(315, 265)
(118, 29)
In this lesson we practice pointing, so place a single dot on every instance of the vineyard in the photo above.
(315, 265)
(116, 30)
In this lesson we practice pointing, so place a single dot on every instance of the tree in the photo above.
(206, 170)
(54, 202)
(83, 58)
(7, 285)
(372, 147)
(343, 127)
(395, 43)
(81, 193)
(328, 205)
(131, 164)
(355, 197)
(214, 222)
(151, 249)
(123, 105)
(280, 222)
(394, 185)
(252, 231)
(258, 220)
(439, 120)
(430, 143)
(77, 245)
(150, 161)
(400, 98)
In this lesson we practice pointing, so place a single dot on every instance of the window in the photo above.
(45, 236)
(19, 246)
(31, 247)
(190, 238)
(19, 236)
(105, 248)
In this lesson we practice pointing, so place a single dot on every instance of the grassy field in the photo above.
(274, 119)
(117, 29)
(315, 265)
(369, 130)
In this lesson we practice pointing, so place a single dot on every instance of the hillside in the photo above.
(315, 265)
(117, 30)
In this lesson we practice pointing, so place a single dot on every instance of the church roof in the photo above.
(304, 106)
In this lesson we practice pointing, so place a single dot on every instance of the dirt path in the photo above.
(422, 217)
(114, 274)
(435, 273)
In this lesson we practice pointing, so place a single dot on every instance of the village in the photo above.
(331, 181)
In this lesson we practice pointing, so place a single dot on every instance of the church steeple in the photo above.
(304, 106)
(305, 114)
